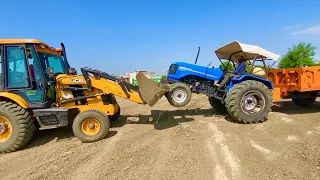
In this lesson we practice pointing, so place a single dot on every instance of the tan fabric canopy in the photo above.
(249, 52)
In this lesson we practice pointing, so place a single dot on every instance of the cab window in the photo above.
(18, 76)
(53, 61)
(56, 64)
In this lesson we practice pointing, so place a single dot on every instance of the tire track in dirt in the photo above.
(144, 152)
(185, 143)
(92, 167)
(55, 161)
(280, 148)
(86, 170)
(227, 164)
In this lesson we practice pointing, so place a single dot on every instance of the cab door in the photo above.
(25, 76)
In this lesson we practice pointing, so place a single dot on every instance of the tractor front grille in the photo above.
(173, 69)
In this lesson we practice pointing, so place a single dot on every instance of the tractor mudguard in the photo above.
(245, 77)
(151, 91)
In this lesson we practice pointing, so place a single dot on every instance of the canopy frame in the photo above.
(250, 52)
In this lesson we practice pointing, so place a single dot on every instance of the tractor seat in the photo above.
(258, 71)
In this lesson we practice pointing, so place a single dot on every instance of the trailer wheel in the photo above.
(16, 127)
(91, 125)
(115, 116)
(217, 105)
(304, 102)
(249, 102)
(179, 95)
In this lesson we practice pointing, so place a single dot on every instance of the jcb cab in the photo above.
(38, 87)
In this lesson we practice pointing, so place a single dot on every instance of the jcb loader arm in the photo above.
(147, 92)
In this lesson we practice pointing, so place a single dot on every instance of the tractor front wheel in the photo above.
(179, 95)
(91, 125)
(16, 127)
(304, 102)
(249, 102)
(217, 105)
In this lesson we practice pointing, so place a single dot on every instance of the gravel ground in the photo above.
(164, 142)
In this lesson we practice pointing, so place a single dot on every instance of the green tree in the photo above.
(248, 67)
(163, 77)
(299, 55)
(231, 68)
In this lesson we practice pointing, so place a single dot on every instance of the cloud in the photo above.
(311, 30)
(291, 27)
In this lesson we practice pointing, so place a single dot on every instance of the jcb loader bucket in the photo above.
(150, 91)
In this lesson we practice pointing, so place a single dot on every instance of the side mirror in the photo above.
(50, 71)
(72, 71)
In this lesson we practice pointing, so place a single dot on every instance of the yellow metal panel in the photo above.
(276, 95)
(47, 48)
(99, 86)
(17, 41)
(110, 87)
(16, 98)
(107, 109)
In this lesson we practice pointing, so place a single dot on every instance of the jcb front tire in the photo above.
(91, 125)
(16, 127)
(179, 95)
(249, 102)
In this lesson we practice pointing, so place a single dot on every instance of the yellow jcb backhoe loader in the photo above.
(39, 89)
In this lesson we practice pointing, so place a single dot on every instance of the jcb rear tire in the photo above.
(249, 91)
(179, 95)
(93, 117)
(20, 123)
(304, 102)
(217, 105)
(115, 116)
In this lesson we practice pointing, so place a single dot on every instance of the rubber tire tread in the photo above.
(234, 97)
(115, 116)
(21, 121)
(306, 102)
(217, 105)
(175, 86)
(91, 113)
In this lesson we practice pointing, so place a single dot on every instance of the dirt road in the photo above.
(164, 142)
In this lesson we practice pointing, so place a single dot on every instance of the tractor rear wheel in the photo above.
(249, 102)
(179, 95)
(217, 105)
(304, 102)
(91, 125)
(16, 127)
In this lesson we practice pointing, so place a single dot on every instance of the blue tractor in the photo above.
(246, 98)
